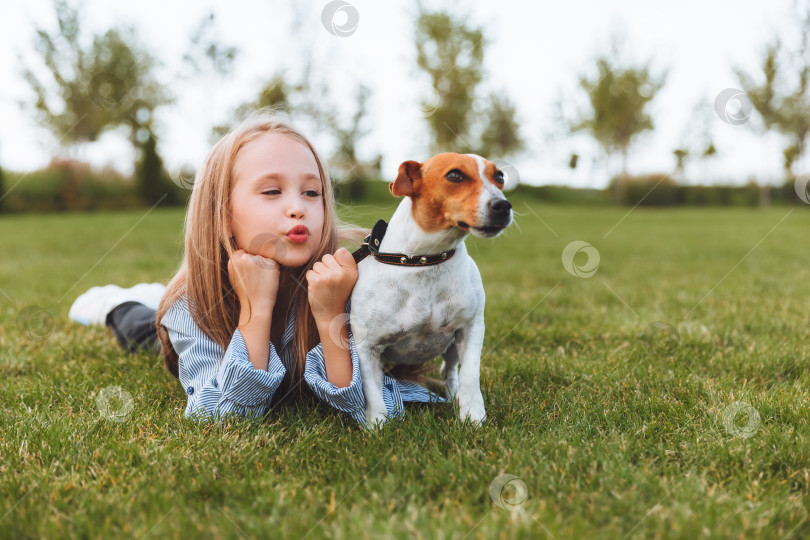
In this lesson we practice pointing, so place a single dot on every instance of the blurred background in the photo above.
(112, 105)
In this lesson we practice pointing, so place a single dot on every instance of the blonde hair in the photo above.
(203, 273)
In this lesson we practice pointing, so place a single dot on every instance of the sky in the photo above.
(535, 55)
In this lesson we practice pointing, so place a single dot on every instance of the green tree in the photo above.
(307, 101)
(2, 188)
(781, 96)
(451, 52)
(501, 137)
(209, 60)
(94, 88)
(618, 97)
(91, 88)
(149, 173)
(352, 172)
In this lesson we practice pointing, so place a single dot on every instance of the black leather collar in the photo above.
(372, 243)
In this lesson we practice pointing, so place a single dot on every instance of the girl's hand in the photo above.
(254, 278)
(330, 283)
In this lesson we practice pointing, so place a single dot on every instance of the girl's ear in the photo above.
(403, 185)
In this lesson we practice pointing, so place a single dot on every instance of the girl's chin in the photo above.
(294, 261)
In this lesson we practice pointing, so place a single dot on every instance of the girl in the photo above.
(252, 315)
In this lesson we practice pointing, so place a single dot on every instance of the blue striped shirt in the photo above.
(220, 382)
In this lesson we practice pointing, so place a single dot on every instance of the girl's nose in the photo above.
(295, 208)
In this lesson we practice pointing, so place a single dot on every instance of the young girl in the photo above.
(257, 310)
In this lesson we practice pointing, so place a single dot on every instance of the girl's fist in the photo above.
(254, 279)
(330, 283)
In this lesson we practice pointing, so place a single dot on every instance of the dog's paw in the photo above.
(375, 419)
(472, 410)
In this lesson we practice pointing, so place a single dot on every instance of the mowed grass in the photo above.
(611, 399)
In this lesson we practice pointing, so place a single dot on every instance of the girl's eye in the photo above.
(309, 193)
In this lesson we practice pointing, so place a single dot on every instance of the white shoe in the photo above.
(93, 306)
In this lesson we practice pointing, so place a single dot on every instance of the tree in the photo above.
(354, 173)
(502, 134)
(618, 97)
(308, 101)
(697, 140)
(276, 94)
(209, 59)
(451, 53)
(781, 96)
(2, 188)
(93, 88)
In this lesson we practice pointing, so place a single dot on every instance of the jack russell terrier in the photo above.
(420, 294)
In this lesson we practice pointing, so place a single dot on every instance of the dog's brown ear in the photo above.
(408, 172)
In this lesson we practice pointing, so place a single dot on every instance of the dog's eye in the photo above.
(454, 176)
(498, 176)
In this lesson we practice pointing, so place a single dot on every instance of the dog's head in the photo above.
(455, 190)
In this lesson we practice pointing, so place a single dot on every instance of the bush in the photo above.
(69, 185)
(662, 190)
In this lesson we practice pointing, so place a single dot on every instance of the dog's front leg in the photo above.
(469, 342)
(371, 374)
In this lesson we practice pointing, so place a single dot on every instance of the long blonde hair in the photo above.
(203, 273)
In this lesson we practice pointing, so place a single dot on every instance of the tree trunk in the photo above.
(621, 181)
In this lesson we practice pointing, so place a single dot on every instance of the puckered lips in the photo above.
(298, 234)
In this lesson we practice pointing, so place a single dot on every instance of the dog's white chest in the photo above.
(413, 315)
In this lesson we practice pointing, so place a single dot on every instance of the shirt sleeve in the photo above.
(220, 382)
(350, 399)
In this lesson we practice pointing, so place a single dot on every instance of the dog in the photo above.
(421, 295)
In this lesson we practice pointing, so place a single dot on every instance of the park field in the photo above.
(662, 393)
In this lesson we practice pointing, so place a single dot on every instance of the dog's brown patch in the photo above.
(438, 203)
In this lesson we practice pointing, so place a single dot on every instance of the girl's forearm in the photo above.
(256, 333)
(336, 355)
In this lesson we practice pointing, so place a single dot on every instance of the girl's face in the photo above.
(276, 205)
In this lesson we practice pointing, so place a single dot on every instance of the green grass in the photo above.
(615, 430)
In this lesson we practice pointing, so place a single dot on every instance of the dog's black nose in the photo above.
(499, 207)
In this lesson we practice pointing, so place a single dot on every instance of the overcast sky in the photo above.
(536, 52)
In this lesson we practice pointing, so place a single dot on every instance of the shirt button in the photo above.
(215, 383)
(190, 390)
(389, 386)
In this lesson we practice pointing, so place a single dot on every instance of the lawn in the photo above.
(664, 396)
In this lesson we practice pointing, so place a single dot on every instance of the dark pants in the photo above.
(134, 325)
